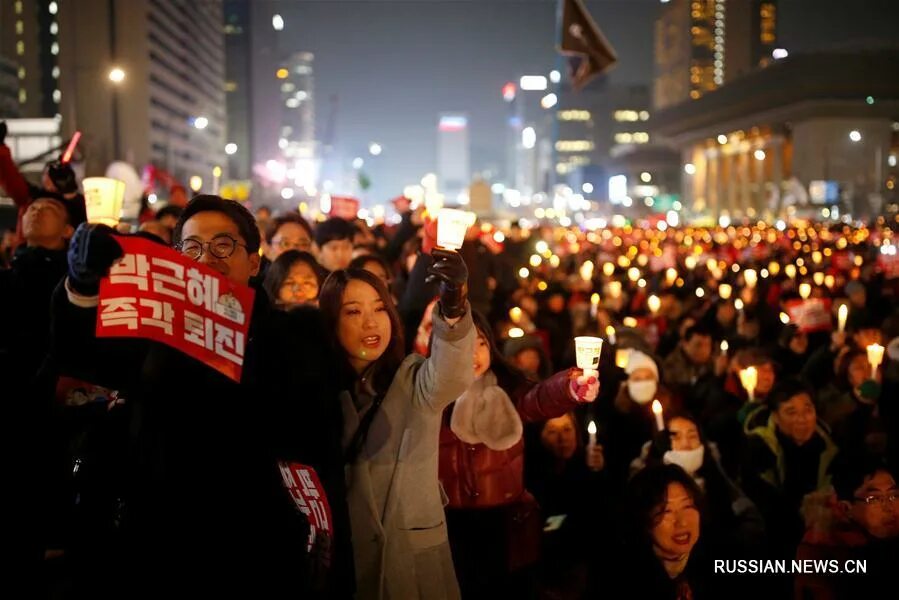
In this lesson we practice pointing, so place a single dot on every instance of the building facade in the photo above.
(453, 155)
(29, 36)
(701, 44)
(763, 145)
(168, 109)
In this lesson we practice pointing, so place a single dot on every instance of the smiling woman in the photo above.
(392, 409)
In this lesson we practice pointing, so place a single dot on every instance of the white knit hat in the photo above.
(639, 360)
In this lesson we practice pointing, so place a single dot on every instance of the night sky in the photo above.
(396, 64)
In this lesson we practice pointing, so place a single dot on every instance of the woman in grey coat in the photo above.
(392, 408)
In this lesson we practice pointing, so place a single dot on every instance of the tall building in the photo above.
(700, 44)
(9, 88)
(237, 87)
(297, 108)
(166, 105)
(453, 168)
(29, 35)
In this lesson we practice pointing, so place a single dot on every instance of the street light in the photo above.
(855, 136)
(690, 169)
(201, 122)
(358, 162)
(374, 149)
(116, 75)
(230, 148)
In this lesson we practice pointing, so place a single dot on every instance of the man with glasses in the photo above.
(208, 508)
(860, 526)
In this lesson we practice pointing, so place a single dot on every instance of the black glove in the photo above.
(450, 270)
(92, 252)
(3, 132)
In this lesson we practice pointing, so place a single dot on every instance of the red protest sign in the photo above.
(156, 293)
(344, 207)
(309, 497)
(810, 315)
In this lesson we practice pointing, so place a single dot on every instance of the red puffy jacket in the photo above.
(474, 476)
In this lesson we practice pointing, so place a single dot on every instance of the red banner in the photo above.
(810, 315)
(309, 496)
(344, 207)
(156, 293)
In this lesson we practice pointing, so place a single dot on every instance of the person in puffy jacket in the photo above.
(494, 523)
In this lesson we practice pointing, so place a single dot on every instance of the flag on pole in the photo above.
(581, 39)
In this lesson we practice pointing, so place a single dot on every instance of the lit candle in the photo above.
(671, 276)
(615, 289)
(875, 357)
(749, 377)
(654, 304)
(784, 318)
(608, 268)
(723, 347)
(750, 277)
(633, 274)
(591, 430)
(724, 290)
(805, 290)
(790, 270)
(622, 357)
(842, 315)
(594, 305)
(818, 278)
(610, 334)
(515, 315)
(657, 411)
(690, 262)
(629, 322)
(586, 271)
(738, 304)
(587, 350)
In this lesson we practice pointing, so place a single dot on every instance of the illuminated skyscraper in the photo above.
(453, 168)
(700, 44)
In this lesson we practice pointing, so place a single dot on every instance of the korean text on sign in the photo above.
(310, 499)
(156, 293)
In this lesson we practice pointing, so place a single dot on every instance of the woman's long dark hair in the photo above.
(648, 490)
(508, 376)
(280, 269)
(330, 304)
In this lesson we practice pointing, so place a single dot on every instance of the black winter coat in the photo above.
(207, 509)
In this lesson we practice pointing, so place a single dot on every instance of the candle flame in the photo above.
(591, 428)
(656, 407)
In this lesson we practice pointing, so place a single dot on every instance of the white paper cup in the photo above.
(451, 227)
(587, 350)
(103, 200)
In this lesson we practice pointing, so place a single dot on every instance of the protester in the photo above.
(293, 279)
(196, 430)
(392, 409)
(494, 522)
(333, 245)
(788, 456)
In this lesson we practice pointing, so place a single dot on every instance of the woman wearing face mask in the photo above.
(494, 523)
(735, 523)
(631, 421)
(392, 408)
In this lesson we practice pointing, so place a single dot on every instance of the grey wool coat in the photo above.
(400, 542)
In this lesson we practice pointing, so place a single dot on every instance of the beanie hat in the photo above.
(639, 360)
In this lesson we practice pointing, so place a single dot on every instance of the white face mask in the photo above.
(642, 392)
(688, 460)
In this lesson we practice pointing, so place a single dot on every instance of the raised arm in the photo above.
(553, 397)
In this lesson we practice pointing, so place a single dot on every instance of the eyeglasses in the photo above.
(871, 500)
(221, 246)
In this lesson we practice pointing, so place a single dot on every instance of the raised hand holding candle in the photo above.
(451, 227)
(657, 411)
(875, 357)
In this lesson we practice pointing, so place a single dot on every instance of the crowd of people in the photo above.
(739, 413)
